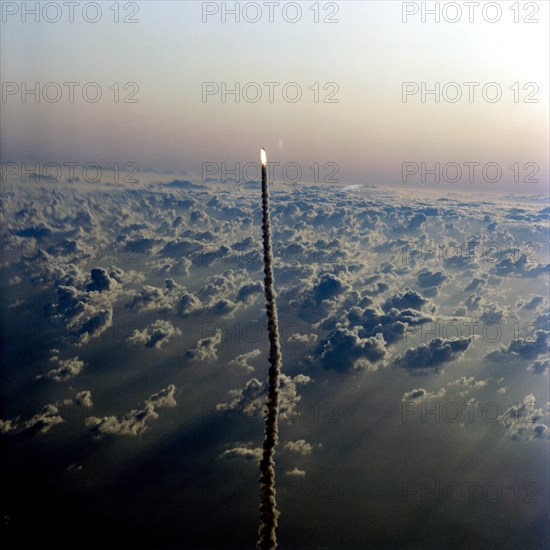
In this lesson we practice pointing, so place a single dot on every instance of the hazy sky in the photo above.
(368, 53)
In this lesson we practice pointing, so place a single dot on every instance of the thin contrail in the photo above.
(267, 536)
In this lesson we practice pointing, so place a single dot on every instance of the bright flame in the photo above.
(263, 157)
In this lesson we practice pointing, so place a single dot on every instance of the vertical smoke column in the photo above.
(267, 538)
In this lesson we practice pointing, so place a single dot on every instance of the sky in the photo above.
(414, 331)
(363, 58)
(414, 315)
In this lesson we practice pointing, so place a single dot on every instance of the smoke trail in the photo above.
(267, 538)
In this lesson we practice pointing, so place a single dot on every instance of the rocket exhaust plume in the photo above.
(267, 537)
